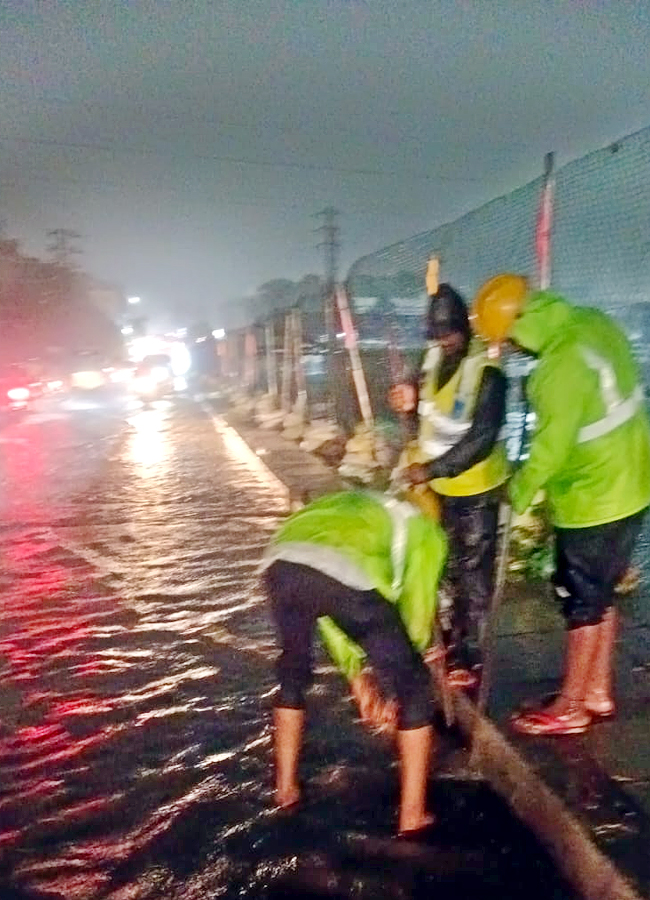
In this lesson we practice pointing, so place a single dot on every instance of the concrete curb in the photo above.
(584, 866)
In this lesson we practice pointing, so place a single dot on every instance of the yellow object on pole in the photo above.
(425, 499)
(497, 305)
(433, 276)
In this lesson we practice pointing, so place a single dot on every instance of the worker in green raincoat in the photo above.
(363, 567)
(590, 452)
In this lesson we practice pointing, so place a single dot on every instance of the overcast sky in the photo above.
(191, 143)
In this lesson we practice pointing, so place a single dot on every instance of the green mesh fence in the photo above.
(387, 288)
(600, 256)
(601, 232)
(601, 236)
(600, 253)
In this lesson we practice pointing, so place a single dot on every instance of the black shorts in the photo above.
(589, 564)
(300, 595)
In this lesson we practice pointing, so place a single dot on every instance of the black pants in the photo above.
(589, 563)
(471, 524)
(300, 595)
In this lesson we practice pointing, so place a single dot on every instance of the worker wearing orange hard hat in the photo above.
(590, 452)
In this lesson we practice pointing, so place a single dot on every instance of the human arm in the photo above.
(555, 396)
(426, 555)
(374, 709)
(347, 655)
(403, 395)
(478, 442)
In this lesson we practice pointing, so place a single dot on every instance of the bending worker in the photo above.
(365, 567)
(461, 411)
(590, 451)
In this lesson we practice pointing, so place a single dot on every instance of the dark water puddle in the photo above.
(135, 739)
(478, 849)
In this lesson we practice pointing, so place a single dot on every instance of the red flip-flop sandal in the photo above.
(539, 722)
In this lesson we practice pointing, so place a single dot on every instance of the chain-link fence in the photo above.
(387, 288)
(600, 256)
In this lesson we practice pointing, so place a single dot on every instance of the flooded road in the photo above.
(136, 668)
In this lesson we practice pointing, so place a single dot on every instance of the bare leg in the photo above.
(581, 647)
(414, 748)
(289, 724)
(599, 685)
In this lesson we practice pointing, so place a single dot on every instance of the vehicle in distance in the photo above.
(15, 393)
(153, 378)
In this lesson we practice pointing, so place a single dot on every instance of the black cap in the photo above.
(447, 312)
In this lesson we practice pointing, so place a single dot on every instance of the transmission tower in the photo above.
(330, 244)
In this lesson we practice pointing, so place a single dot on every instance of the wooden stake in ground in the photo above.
(299, 369)
(286, 363)
(543, 252)
(353, 349)
(271, 370)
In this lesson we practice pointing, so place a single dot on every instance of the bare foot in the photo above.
(287, 797)
(413, 825)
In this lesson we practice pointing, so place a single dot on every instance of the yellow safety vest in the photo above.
(446, 416)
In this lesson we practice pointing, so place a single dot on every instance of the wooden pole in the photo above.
(250, 359)
(543, 255)
(355, 360)
(299, 370)
(286, 363)
(271, 370)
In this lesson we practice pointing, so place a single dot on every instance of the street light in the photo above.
(134, 300)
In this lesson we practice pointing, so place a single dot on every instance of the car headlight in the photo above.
(18, 394)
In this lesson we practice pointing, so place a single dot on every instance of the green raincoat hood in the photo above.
(544, 319)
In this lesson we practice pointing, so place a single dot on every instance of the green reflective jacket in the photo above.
(368, 541)
(590, 450)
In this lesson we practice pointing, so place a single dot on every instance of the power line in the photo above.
(238, 160)
(109, 186)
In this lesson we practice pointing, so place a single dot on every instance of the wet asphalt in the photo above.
(136, 674)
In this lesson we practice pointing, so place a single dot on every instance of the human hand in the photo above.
(375, 711)
(416, 474)
(402, 398)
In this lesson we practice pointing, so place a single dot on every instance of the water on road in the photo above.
(136, 670)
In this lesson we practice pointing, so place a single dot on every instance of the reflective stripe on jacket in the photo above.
(446, 416)
(618, 410)
(368, 541)
(590, 449)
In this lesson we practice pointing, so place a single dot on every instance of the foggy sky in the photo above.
(191, 143)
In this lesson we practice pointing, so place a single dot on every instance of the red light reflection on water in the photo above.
(25, 465)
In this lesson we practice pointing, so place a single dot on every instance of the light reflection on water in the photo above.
(135, 687)
(148, 449)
